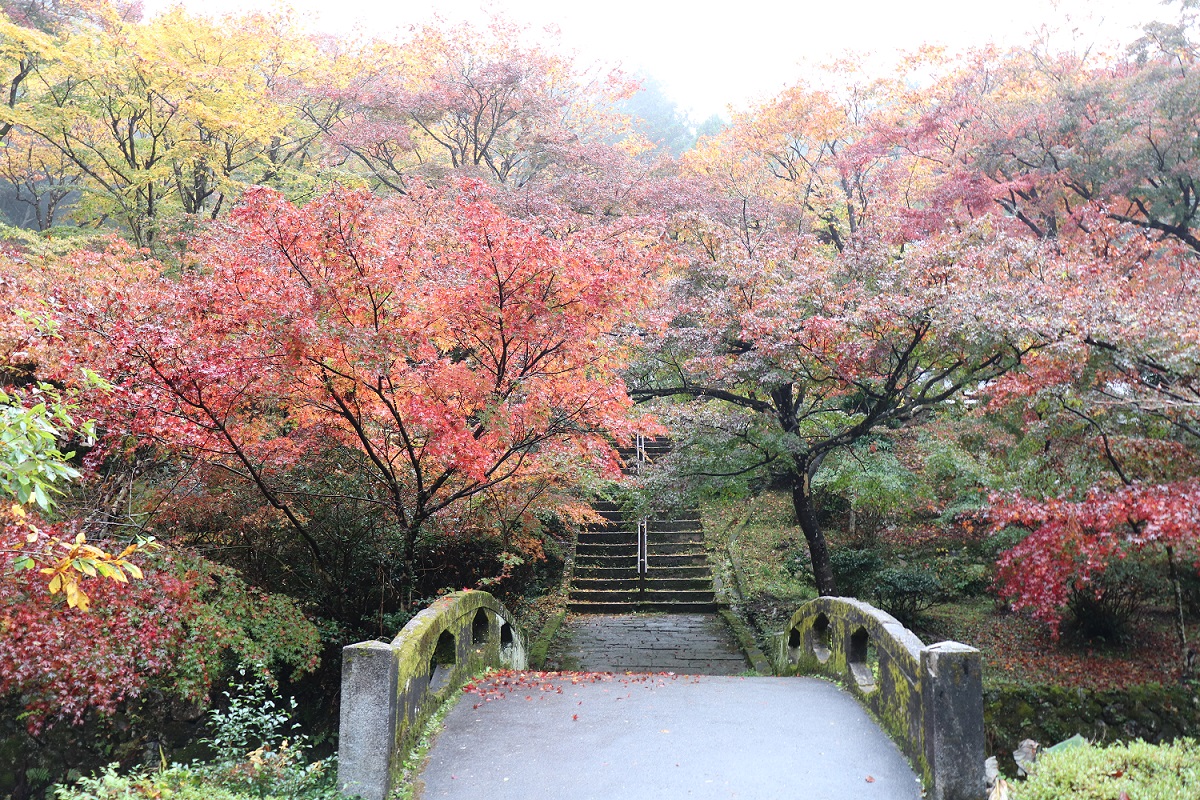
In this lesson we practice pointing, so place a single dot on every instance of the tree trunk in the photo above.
(1187, 656)
(818, 548)
(408, 557)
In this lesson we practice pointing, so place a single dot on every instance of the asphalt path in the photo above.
(590, 736)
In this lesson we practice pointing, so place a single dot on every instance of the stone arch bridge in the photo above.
(900, 719)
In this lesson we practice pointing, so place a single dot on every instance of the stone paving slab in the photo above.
(654, 737)
(693, 644)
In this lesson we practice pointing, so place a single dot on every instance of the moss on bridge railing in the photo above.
(389, 690)
(928, 698)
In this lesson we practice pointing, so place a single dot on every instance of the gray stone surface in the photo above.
(368, 719)
(390, 690)
(652, 737)
(694, 644)
(952, 696)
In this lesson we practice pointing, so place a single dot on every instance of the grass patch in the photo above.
(761, 535)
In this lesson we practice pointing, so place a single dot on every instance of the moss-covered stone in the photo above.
(1049, 714)
(928, 711)
(745, 639)
(399, 685)
(537, 653)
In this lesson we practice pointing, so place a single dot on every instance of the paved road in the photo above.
(698, 644)
(657, 737)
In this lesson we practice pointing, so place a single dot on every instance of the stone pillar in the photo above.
(367, 736)
(952, 700)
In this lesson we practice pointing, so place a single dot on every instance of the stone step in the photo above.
(604, 559)
(653, 454)
(674, 526)
(678, 576)
(633, 595)
(613, 511)
(617, 537)
(652, 525)
(624, 608)
(685, 571)
(602, 537)
(669, 560)
(601, 572)
(609, 527)
(585, 551)
(656, 561)
(650, 583)
(659, 548)
(628, 561)
(612, 572)
(647, 444)
(654, 546)
(609, 539)
(601, 608)
(651, 580)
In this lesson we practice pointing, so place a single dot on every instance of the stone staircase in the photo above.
(677, 576)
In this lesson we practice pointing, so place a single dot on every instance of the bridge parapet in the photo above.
(389, 690)
(929, 698)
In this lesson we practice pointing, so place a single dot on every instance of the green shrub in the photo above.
(176, 783)
(258, 754)
(990, 548)
(1102, 610)
(797, 563)
(854, 570)
(871, 479)
(1189, 585)
(904, 592)
(961, 577)
(1142, 771)
(263, 775)
(259, 750)
(1155, 713)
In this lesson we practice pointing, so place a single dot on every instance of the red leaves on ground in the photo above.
(502, 683)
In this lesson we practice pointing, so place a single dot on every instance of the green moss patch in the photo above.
(1049, 714)
(1137, 770)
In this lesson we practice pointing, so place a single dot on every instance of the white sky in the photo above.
(733, 53)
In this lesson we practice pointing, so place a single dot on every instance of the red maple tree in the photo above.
(454, 349)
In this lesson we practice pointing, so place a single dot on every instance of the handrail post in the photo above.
(952, 696)
(367, 729)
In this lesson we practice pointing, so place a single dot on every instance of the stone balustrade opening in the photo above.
(928, 698)
(390, 689)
